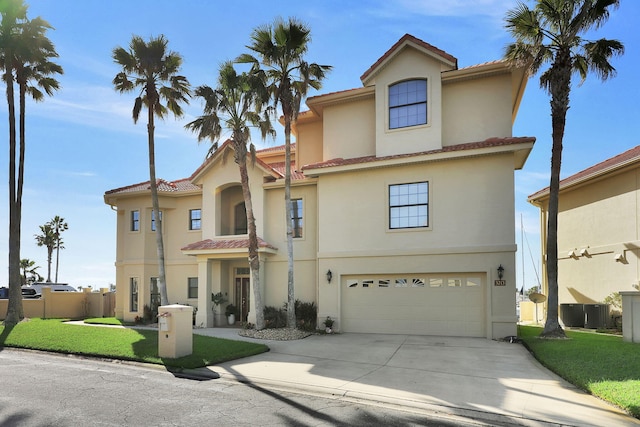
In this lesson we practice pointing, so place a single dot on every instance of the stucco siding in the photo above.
(475, 112)
(349, 130)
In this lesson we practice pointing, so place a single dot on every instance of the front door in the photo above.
(242, 297)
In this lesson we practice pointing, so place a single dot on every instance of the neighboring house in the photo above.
(598, 230)
(404, 210)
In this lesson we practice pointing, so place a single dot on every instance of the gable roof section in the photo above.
(605, 167)
(204, 167)
(408, 40)
(461, 150)
(225, 245)
(181, 185)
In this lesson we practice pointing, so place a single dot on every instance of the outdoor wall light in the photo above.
(329, 276)
(500, 271)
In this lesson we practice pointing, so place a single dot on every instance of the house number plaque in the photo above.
(500, 283)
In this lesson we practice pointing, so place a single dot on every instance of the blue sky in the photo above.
(82, 142)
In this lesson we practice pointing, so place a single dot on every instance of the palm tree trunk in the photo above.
(559, 89)
(49, 257)
(14, 307)
(254, 259)
(162, 283)
(57, 257)
(291, 301)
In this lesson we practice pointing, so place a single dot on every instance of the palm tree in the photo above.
(59, 225)
(153, 70)
(29, 271)
(236, 105)
(24, 56)
(552, 33)
(280, 50)
(48, 239)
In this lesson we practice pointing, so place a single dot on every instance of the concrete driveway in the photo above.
(487, 380)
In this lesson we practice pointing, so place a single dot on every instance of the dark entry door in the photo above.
(242, 297)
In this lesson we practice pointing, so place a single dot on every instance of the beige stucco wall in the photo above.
(61, 305)
(137, 251)
(409, 64)
(309, 131)
(349, 130)
(225, 174)
(464, 207)
(470, 231)
(603, 218)
(474, 110)
(304, 249)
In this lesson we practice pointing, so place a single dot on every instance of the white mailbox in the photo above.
(175, 331)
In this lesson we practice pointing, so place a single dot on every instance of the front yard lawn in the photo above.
(602, 365)
(120, 343)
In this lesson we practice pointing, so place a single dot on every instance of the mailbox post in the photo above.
(175, 332)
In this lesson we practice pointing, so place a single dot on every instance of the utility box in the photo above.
(631, 316)
(175, 332)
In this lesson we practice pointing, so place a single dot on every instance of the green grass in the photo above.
(602, 365)
(120, 343)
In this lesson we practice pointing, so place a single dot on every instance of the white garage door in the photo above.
(429, 304)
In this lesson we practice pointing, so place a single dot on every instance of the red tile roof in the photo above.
(279, 167)
(409, 37)
(630, 156)
(163, 186)
(275, 149)
(210, 244)
(491, 142)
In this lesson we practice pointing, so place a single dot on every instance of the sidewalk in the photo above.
(486, 380)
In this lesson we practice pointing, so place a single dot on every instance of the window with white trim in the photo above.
(296, 217)
(408, 104)
(153, 220)
(133, 294)
(135, 221)
(192, 285)
(195, 219)
(409, 205)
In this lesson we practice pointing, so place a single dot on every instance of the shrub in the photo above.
(275, 317)
(149, 314)
(306, 315)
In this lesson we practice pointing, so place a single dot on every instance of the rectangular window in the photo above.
(135, 220)
(195, 219)
(155, 294)
(296, 217)
(409, 205)
(408, 104)
(153, 220)
(133, 293)
(192, 283)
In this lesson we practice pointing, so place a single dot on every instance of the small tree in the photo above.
(47, 238)
(153, 70)
(280, 50)
(29, 273)
(553, 33)
(235, 105)
(59, 226)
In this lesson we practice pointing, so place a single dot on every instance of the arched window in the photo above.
(408, 104)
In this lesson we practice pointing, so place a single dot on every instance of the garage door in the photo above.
(429, 304)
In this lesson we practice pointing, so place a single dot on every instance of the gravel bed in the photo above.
(280, 334)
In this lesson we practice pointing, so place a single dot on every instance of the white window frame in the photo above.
(389, 207)
(388, 106)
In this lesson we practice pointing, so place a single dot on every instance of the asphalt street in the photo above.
(40, 389)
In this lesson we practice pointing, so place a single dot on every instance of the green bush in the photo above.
(306, 315)
(275, 317)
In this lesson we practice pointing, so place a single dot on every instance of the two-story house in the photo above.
(404, 213)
